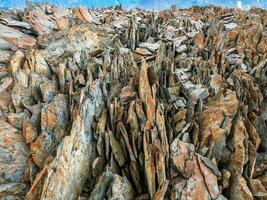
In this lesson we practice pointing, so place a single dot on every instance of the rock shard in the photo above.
(107, 103)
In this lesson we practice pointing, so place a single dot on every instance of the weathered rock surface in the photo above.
(114, 104)
(13, 161)
(11, 39)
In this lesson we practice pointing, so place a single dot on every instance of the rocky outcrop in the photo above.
(115, 104)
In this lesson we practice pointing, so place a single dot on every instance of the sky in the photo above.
(147, 4)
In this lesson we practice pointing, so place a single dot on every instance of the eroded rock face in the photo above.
(13, 161)
(239, 189)
(199, 180)
(74, 152)
(114, 104)
(78, 38)
(121, 188)
(54, 126)
(11, 38)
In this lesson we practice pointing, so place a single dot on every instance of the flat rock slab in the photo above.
(11, 38)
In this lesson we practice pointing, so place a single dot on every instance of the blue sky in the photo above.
(148, 4)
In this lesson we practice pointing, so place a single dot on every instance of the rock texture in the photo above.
(115, 104)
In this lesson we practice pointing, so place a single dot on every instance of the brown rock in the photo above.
(98, 166)
(210, 179)
(16, 62)
(200, 40)
(116, 150)
(253, 135)
(30, 171)
(62, 23)
(127, 94)
(36, 188)
(102, 186)
(83, 14)
(182, 156)
(210, 122)
(130, 104)
(145, 92)
(159, 195)
(216, 83)
(225, 178)
(257, 189)
(143, 52)
(39, 21)
(179, 116)
(228, 103)
(76, 153)
(263, 179)
(239, 189)
(31, 125)
(53, 128)
(238, 157)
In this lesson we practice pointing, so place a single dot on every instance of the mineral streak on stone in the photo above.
(114, 104)
(68, 171)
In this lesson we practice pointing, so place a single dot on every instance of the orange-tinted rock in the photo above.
(263, 179)
(16, 62)
(182, 156)
(143, 52)
(200, 40)
(145, 92)
(36, 187)
(31, 124)
(238, 189)
(238, 156)
(210, 179)
(225, 178)
(12, 39)
(191, 115)
(196, 188)
(127, 94)
(201, 182)
(67, 173)
(217, 83)
(162, 190)
(149, 163)
(30, 171)
(62, 23)
(210, 122)
(253, 134)
(262, 44)
(228, 103)
(53, 128)
(40, 22)
(257, 189)
(83, 14)
(66, 41)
